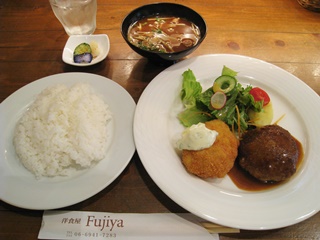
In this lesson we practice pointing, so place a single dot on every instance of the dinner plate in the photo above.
(156, 129)
(20, 188)
(102, 40)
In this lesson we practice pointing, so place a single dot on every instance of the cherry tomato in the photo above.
(260, 95)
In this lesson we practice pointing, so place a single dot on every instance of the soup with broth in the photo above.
(164, 34)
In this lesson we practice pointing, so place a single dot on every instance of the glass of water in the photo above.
(78, 17)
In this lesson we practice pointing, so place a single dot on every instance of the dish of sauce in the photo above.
(164, 34)
(245, 181)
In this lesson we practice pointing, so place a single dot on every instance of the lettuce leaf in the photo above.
(228, 71)
(191, 89)
(193, 115)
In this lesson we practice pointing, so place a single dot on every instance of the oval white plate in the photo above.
(19, 187)
(73, 41)
(218, 200)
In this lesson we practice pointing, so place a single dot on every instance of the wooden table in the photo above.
(280, 32)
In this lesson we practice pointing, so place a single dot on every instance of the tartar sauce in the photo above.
(197, 137)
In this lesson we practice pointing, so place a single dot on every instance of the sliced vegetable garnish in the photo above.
(83, 58)
(260, 95)
(224, 84)
(82, 48)
(218, 100)
(82, 53)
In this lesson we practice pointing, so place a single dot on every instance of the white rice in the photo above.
(63, 130)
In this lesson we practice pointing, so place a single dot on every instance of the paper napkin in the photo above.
(124, 226)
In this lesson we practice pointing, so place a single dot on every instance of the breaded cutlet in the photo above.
(217, 160)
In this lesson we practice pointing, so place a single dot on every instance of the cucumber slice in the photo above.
(82, 48)
(224, 84)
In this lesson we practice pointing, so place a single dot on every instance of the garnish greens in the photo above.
(198, 106)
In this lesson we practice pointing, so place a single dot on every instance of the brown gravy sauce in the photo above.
(245, 181)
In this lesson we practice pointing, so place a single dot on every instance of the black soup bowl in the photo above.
(163, 10)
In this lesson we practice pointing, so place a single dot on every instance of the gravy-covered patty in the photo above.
(269, 154)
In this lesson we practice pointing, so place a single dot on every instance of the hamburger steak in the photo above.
(270, 153)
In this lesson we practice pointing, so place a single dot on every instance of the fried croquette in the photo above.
(217, 160)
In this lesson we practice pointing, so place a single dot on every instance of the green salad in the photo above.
(226, 100)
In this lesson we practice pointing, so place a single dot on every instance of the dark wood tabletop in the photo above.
(280, 32)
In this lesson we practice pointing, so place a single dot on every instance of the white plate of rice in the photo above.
(20, 187)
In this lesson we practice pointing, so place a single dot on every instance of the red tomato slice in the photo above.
(260, 95)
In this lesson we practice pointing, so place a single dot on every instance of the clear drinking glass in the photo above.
(78, 17)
